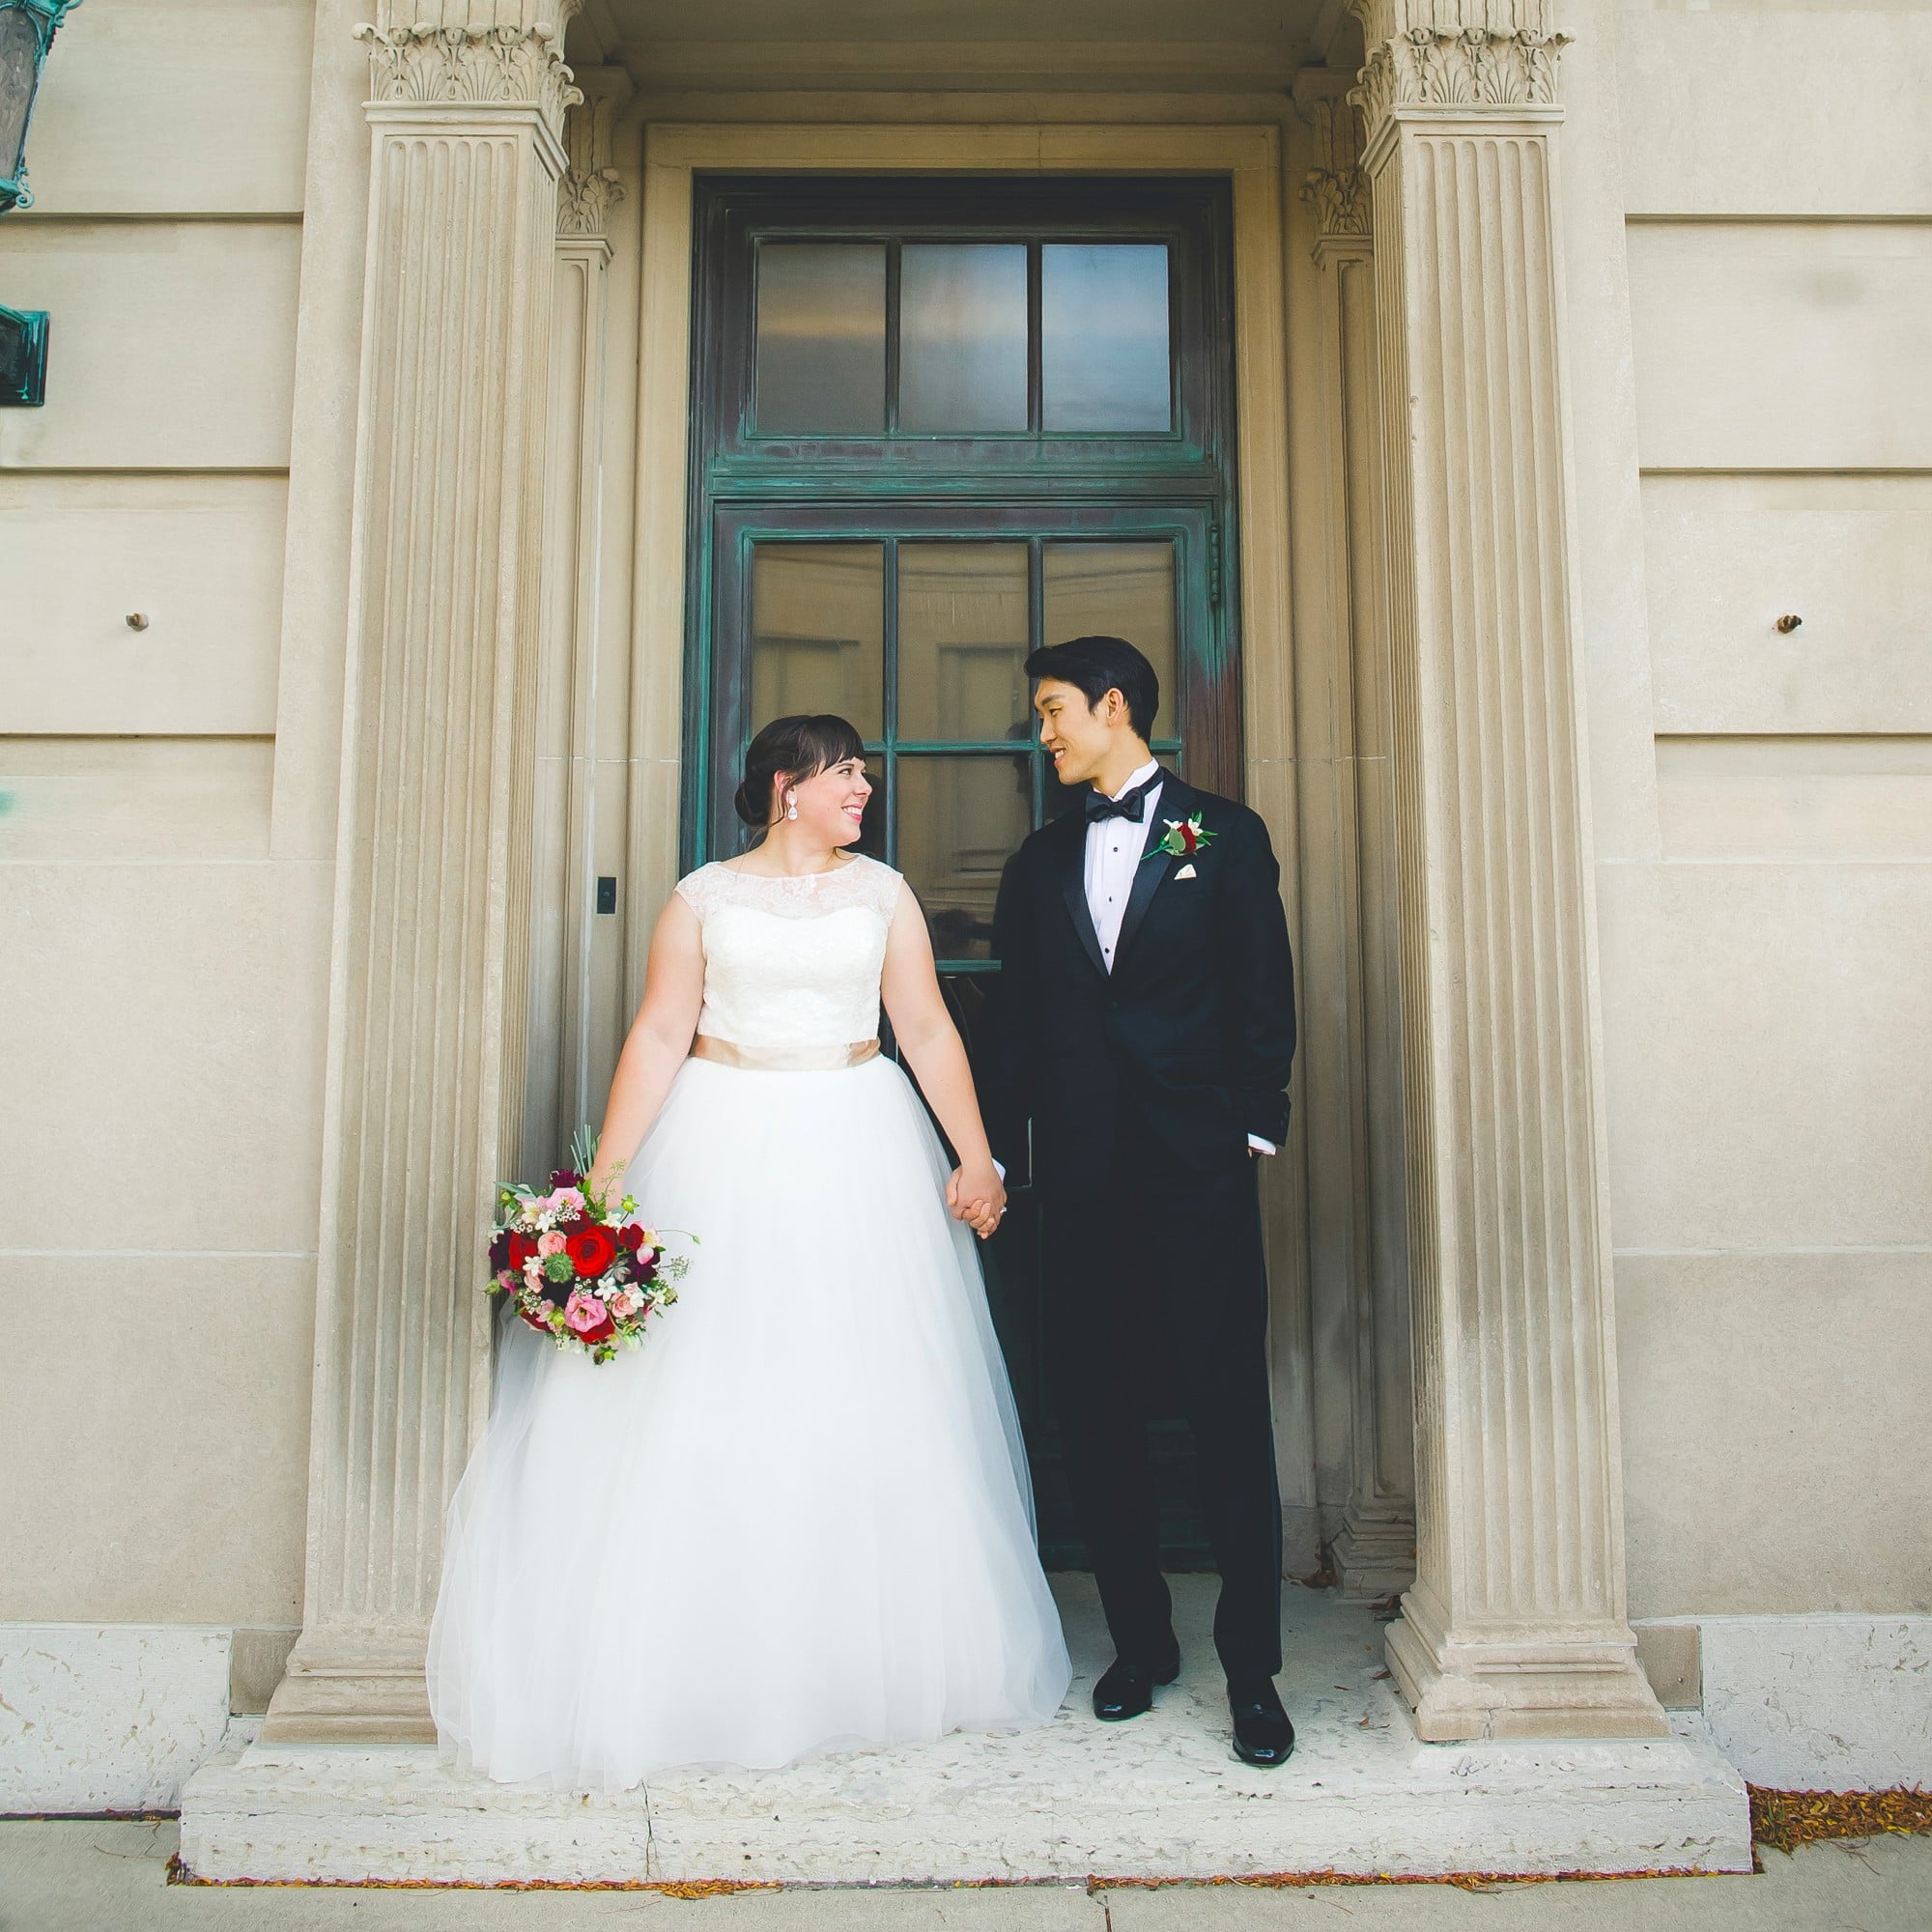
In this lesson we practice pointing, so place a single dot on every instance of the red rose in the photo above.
(522, 1247)
(591, 1251)
(1188, 838)
(630, 1238)
(542, 1328)
(603, 1331)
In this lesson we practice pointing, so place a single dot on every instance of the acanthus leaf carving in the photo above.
(1339, 199)
(1335, 188)
(1431, 65)
(589, 183)
(583, 197)
(472, 66)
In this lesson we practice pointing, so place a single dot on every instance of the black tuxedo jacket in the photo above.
(1186, 1045)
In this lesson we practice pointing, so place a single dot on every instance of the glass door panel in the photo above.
(958, 820)
(962, 337)
(817, 637)
(1114, 590)
(963, 638)
(1103, 346)
(919, 638)
(821, 334)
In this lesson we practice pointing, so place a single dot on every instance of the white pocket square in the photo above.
(1187, 872)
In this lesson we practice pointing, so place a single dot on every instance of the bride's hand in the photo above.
(977, 1196)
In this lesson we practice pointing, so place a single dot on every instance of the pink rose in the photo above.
(626, 1302)
(585, 1311)
(566, 1203)
(551, 1243)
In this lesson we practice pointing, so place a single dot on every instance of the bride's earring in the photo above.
(791, 809)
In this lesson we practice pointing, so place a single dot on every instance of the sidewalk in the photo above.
(111, 1877)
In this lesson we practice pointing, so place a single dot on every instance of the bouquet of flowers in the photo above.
(577, 1269)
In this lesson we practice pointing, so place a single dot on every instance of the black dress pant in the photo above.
(1155, 1298)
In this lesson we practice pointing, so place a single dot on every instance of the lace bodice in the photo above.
(793, 962)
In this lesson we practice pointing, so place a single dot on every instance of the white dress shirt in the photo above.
(1114, 847)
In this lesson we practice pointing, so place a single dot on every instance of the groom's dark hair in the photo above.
(1096, 666)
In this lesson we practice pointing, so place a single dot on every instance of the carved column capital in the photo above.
(426, 63)
(589, 184)
(1336, 187)
(1455, 56)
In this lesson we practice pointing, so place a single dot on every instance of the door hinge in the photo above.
(1215, 566)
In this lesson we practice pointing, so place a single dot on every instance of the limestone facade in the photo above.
(1561, 367)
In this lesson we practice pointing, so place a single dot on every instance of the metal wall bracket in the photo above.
(23, 359)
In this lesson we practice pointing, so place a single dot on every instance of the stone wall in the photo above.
(1764, 928)
(165, 883)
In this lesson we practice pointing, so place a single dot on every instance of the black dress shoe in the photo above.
(1262, 1734)
(1126, 1689)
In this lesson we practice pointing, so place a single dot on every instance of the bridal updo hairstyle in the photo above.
(791, 749)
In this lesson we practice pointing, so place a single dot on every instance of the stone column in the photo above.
(1516, 1624)
(429, 987)
(565, 829)
(1374, 1551)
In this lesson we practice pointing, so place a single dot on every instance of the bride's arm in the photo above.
(659, 1040)
(909, 989)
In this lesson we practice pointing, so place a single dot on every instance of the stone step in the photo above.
(1162, 1797)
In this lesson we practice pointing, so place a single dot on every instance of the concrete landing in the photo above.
(1162, 1797)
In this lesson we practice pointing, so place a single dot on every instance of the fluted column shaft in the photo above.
(1516, 1623)
(1374, 1550)
(566, 810)
(430, 968)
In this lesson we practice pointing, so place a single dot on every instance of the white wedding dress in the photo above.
(798, 1518)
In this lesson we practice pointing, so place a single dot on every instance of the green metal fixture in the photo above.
(23, 359)
(27, 30)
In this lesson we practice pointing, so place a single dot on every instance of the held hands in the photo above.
(977, 1196)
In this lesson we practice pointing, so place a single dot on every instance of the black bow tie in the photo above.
(1130, 804)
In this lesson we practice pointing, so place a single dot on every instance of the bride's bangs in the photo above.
(825, 741)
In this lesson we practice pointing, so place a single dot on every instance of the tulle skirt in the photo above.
(798, 1518)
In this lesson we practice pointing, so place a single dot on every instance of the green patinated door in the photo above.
(935, 424)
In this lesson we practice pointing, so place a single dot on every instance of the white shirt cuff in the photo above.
(1260, 1146)
(999, 1168)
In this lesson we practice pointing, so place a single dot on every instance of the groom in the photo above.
(1142, 1020)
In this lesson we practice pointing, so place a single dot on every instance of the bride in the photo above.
(799, 1518)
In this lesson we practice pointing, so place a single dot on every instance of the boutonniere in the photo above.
(1182, 839)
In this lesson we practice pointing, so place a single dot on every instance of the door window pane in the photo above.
(959, 819)
(1115, 591)
(818, 631)
(1103, 336)
(821, 338)
(962, 640)
(962, 336)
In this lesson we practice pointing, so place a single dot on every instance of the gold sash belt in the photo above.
(793, 1059)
